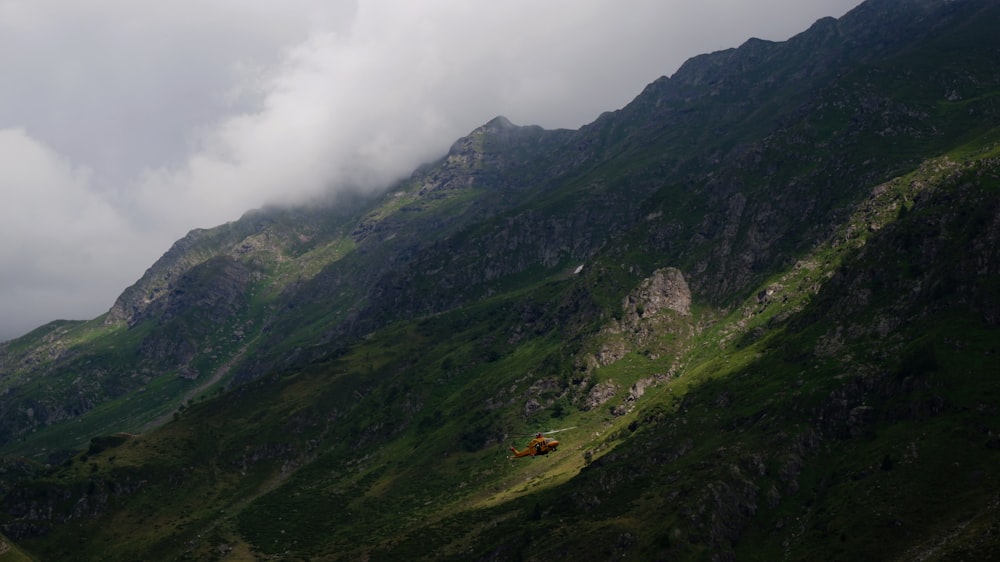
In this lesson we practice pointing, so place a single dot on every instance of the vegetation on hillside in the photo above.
(762, 300)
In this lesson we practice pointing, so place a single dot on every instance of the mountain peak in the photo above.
(758, 294)
(500, 122)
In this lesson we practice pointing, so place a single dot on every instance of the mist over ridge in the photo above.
(756, 304)
(146, 122)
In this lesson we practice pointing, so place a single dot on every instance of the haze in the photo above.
(125, 124)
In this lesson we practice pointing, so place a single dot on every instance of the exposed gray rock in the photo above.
(666, 289)
(600, 394)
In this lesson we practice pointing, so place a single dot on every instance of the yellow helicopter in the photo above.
(540, 445)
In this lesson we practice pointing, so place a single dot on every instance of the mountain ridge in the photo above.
(762, 294)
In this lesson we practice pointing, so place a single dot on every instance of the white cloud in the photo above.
(149, 119)
(58, 238)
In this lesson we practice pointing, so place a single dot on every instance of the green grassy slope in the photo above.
(796, 427)
(829, 393)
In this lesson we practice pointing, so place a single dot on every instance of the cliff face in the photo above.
(760, 300)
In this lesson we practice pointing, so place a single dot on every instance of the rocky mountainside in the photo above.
(761, 300)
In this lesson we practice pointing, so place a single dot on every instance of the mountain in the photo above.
(760, 301)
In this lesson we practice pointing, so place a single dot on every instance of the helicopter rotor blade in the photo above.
(557, 430)
(549, 432)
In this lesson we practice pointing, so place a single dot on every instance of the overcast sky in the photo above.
(126, 123)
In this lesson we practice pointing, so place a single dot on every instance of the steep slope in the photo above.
(846, 411)
(193, 312)
(555, 197)
(763, 296)
(800, 426)
(228, 304)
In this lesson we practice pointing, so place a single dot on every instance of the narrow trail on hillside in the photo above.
(217, 375)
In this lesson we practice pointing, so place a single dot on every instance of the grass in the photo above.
(9, 552)
(838, 404)
(396, 447)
